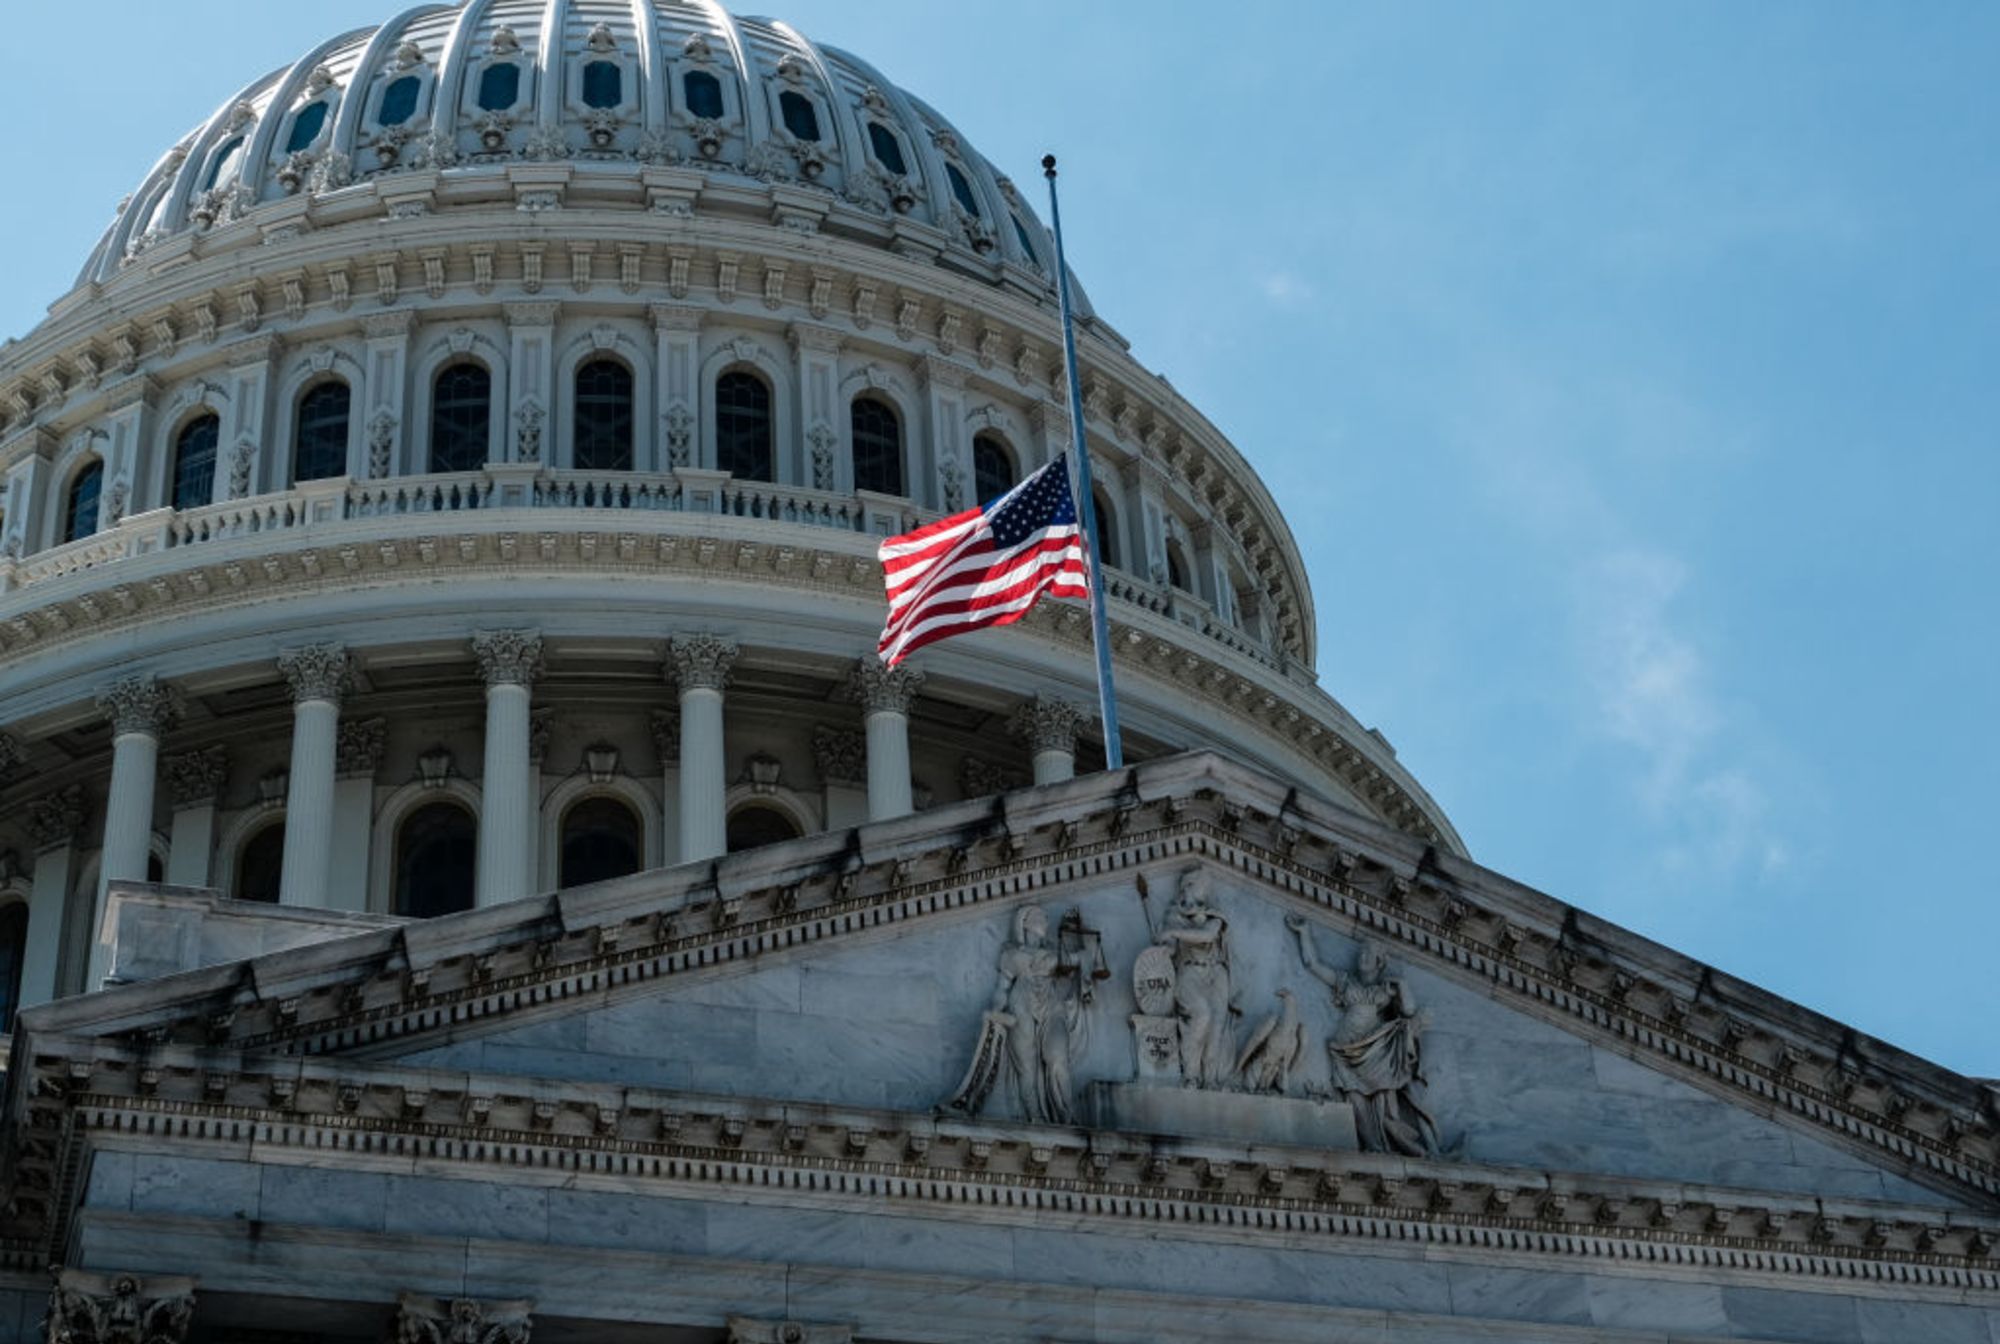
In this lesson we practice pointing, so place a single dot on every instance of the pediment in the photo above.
(850, 978)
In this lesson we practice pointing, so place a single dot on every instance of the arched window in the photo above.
(222, 168)
(754, 825)
(80, 510)
(1027, 243)
(499, 87)
(461, 416)
(603, 84)
(1107, 528)
(399, 101)
(260, 864)
(306, 126)
(320, 448)
(888, 149)
(992, 467)
(436, 848)
(601, 839)
(13, 952)
(604, 416)
(961, 190)
(800, 117)
(743, 426)
(1177, 567)
(194, 463)
(878, 446)
(704, 94)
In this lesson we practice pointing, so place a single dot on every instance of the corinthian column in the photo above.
(140, 709)
(509, 660)
(55, 824)
(699, 665)
(319, 676)
(884, 694)
(1049, 728)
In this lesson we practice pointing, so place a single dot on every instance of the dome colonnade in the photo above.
(428, 392)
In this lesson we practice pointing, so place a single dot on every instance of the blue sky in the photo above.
(1628, 374)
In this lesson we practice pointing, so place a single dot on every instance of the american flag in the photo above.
(986, 566)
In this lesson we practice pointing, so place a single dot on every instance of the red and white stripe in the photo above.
(947, 578)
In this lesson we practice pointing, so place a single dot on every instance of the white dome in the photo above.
(463, 90)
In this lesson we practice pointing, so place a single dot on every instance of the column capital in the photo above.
(57, 818)
(140, 705)
(317, 672)
(538, 313)
(878, 689)
(508, 657)
(744, 1330)
(358, 747)
(840, 755)
(195, 778)
(1047, 724)
(421, 1318)
(119, 1308)
(701, 661)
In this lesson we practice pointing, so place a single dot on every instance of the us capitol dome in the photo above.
(457, 470)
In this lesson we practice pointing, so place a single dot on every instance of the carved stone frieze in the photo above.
(140, 705)
(1376, 1049)
(317, 672)
(196, 778)
(840, 755)
(462, 1320)
(358, 747)
(883, 690)
(508, 657)
(56, 819)
(1047, 724)
(701, 661)
(1033, 1030)
(86, 1308)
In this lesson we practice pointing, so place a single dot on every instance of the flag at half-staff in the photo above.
(985, 566)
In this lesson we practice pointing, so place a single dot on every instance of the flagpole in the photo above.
(1086, 502)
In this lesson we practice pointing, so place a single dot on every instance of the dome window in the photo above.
(399, 101)
(80, 510)
(1027, 243)
(222, 168)
(992, 467)
(13, 953)
(601, 840)
(437, 848)
(603, 417)
(801, 119)
(603, 84)
(306, 126)
(961, 190)
(320, 448)
(194, 463)
(754, 825)
(888, 149)
(704, 95)
(499, 87)
(260, 865)
(461, 418)
(743, 426)
(878, 446)
(1107, 529)
(1177, 568)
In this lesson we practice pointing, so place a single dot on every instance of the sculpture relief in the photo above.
(1376, 1050)
(90, 1308)
(1036, 1025)
(1194, 939)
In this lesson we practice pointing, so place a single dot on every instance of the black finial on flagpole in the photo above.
(1048, 165)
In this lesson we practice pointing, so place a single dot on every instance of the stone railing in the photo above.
(318, 505)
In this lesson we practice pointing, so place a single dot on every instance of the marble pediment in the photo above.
(1186, 963)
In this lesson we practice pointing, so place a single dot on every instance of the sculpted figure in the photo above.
(1040, 1016)
(1197, 938)
(1376, 1050)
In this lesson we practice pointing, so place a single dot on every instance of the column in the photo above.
(667, 748)
(1049, 727)
(824, 467)
(55, 823)
(677, 331)
(385, 362)
(949, 461)
(699, 665)
(129, 448)
(25, 528)
(319, 675)
(531, 355)
(509, 660)
(243, 466)
(194, 782)
(140, 709)
(884, 694)
(357, 755)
